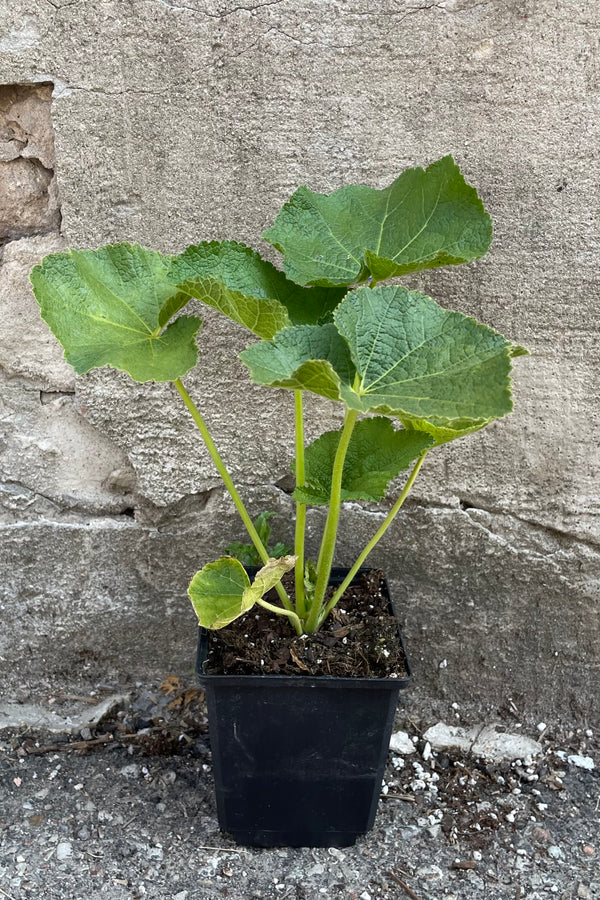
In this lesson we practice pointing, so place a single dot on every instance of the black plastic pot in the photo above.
(298, 761)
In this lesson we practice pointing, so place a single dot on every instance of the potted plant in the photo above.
(299, 757)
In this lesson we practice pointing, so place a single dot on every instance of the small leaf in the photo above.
(270, 575)
(247, 553)
(425, 218)
(222, 592)
(109, 306)
(305, 357)
(261, 523)
(437, 370)
(217, 593)
(235, 280)
(310, 578)
(280, 549)
(376, 454)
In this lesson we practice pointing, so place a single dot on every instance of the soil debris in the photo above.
(116, 818)
(360, 639)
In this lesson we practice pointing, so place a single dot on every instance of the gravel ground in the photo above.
(125, 810)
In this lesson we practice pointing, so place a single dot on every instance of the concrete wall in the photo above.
(175, 122)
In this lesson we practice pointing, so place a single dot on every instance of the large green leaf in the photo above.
(376, 454)
(304, 357)
(425, 218)
(221, 591)
(437, 370)
(110, 307)
(235, 280)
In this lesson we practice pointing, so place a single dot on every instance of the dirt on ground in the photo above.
(126, 810)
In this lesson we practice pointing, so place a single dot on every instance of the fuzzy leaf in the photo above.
(304, 357)
(376, 454)
(222, 592)
(439, 371)
(217, 593)
(235, 280)
(109, 306)
(425, 218)
(270, 575)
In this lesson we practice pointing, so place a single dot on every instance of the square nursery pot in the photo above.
(298, 760)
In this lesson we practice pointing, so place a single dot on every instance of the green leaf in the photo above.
(248, 554)
(222, 592)
(376, 454)
(439, 371)
(217, 593)
(425, 218)
(280, 549)
(261, 523)
(310, 578)
(304, 357)
(109, 306)
(235, 280)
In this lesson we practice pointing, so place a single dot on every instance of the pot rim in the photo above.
(305, 681)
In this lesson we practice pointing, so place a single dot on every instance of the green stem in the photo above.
(283, 612)
(374, 540)
(331, 525)
(210, 446)
(300, 508)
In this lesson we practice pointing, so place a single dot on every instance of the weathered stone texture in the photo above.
(51, 450)
(27, 346)
(26, 127)
(28, 194)
(90, 599)
(181, 122)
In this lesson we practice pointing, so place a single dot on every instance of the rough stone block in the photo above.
(27, 347)
(28, 193)
(50, 450)
(25, 124)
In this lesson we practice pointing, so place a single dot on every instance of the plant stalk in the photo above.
(331, 525)
(374, 540)
(283, 612)
(300, 508)
(210, 446)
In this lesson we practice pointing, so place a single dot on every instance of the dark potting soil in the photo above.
(359, 639)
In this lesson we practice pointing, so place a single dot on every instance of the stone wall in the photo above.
(175, 122)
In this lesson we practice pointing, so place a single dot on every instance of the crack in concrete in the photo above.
(50, 396)
(170, 513)
(120, 93)
(222, 14)
(439, 4)
(552, 531)
(414, 10)
(4, 244)
(504, 542)
(316, 43)
(77, 508)
(59, 6)
(32, 495)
